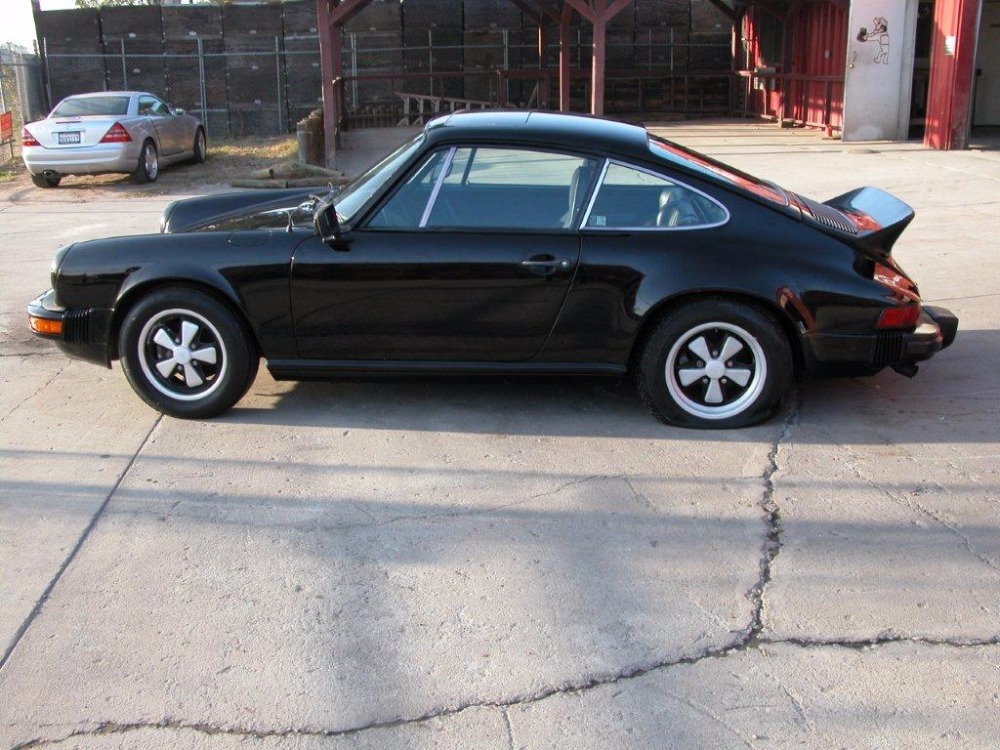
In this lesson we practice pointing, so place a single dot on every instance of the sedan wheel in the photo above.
(715, 364)
(148, 168)
(200, 147)
(186, 354)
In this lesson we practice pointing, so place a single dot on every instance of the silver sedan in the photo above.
(132, 132)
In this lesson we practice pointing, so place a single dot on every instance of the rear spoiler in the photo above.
(885, 215)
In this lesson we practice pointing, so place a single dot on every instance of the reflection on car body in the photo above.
(507, 242)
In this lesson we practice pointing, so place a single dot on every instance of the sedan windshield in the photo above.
(81, 106)
(354, 196)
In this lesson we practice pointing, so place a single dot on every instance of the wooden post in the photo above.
(326, 35)
(331, 16)
(598, 13)
(564, 19)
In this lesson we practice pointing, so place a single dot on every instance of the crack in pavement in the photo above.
(750, 638)
(740, 646)
(36, 610)
(912, 504)
(28, 398)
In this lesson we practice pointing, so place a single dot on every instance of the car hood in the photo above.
(195, 214)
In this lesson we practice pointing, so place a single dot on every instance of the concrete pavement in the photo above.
(512, 564)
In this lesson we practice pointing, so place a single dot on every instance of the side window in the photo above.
(507, 188)
(405, 209)
(152, 107)
(631, 198)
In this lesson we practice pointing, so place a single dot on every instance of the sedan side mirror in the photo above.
(179, 111)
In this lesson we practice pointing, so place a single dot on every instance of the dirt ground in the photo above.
(227, 160)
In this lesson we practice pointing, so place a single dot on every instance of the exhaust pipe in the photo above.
(909, 370)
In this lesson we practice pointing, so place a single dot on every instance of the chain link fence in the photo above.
(21, 98)
(267, 89)
(234, 94)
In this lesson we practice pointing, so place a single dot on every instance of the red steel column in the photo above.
(564, 19)
(953, 61)
(327, 65)
(598, 62)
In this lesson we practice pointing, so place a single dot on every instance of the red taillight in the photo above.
(27, 139)
(117, 134)
(904, 316)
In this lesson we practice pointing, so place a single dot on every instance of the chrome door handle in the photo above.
(553, 263)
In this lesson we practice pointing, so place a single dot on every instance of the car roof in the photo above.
(540, 128)
(96, 94)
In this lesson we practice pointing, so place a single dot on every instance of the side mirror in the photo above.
(325, 221)
(179, 111)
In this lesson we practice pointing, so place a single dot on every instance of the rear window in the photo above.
(92, 105)
(675, 154)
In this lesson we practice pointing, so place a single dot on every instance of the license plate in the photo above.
(69, 138)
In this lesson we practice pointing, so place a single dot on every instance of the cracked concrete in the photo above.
(514, 565)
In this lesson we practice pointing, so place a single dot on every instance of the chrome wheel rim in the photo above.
(716, 370)
(202, 147)
(151, 163)
(182, 354)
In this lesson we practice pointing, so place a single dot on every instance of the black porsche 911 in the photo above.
(502, 243)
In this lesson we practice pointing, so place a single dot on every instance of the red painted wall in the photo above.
(810, 88)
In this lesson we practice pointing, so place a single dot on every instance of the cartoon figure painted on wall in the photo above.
(879, 34)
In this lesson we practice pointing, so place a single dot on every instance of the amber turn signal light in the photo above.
(45, 326)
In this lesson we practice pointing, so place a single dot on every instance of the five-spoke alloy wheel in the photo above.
(715, 363)
(186, 354)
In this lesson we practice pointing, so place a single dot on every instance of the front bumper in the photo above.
(869, 352)
(99, 159)
(81, 334)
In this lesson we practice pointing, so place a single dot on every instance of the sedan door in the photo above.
(171, 130)
(469, 260)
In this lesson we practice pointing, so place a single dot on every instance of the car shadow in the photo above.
(952, 399)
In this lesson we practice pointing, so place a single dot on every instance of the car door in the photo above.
(469, 260)
(170, 129)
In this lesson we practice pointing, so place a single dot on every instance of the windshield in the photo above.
(354, 196)
(685, 157)
(92, 105)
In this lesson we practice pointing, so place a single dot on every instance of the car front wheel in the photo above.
(187, 354)
(148, 168)
(715, 364)
(200, 148)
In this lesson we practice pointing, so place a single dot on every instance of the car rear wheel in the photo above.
(200, 147)
(187, 354)
(715, 364)
(148, 168)
(44, 181)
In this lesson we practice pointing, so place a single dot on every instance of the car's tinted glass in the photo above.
(355, 195)
(489, 187)
(92, 105)
(631, 198)
(150, 106)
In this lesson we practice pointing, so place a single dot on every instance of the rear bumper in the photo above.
(105, 157)
(869, 352)
(80, 334)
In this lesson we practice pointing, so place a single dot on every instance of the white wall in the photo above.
(879, 69)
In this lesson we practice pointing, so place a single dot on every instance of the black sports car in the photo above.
(506, 242)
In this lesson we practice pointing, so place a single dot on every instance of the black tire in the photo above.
(200, 147)
(44, 181)
(186, 353)
(148, 168)
(715, 364)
